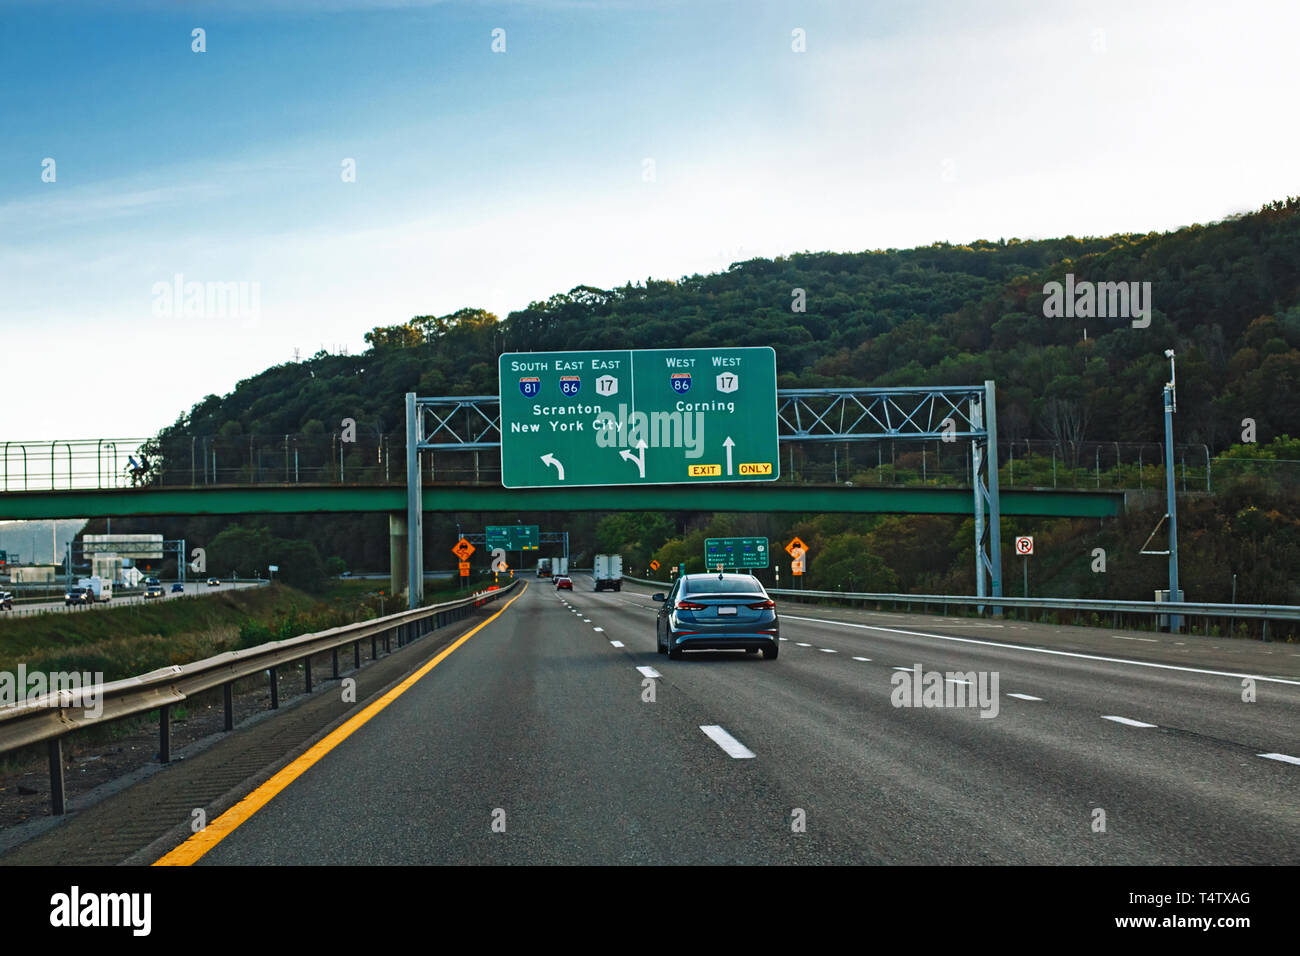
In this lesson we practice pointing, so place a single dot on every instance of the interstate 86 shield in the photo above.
(638, 417)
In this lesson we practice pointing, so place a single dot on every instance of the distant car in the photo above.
(151, 581)
(564, 582)
(154, 591)
(717, 611)
(213, 583)
(78, 596)
(178, 588)
(6, 600)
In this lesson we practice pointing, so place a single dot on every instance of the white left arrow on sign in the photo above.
(638, 459)
(550, 459)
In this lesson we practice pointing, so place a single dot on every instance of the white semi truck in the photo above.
(608, 572)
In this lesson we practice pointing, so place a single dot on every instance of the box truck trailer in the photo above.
(608, 572)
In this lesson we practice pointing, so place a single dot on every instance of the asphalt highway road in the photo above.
(535, 741)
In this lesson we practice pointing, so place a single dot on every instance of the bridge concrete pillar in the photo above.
(397, 557)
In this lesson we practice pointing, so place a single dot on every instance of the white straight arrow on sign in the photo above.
(729, 444)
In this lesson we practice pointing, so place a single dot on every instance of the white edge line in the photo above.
(1044, 650)
(732, 746)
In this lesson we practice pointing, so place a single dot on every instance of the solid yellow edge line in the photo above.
(203, 841)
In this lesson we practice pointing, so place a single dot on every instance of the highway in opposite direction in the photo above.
(532, 742)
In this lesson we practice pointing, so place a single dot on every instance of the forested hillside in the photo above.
(1226, 296)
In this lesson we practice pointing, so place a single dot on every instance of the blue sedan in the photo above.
(717, 611)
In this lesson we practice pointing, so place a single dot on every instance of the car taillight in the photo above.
(690, 606)
(762, 605)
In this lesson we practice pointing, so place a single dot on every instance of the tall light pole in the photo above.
(1171, 406)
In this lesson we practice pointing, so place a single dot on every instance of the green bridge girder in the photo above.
(312, 499)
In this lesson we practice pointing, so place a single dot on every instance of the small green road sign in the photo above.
(638, 417)
(513, 537)
(735, 553)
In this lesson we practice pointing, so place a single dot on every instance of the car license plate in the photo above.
(726, 610)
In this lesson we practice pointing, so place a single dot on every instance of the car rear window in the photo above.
(712, 585)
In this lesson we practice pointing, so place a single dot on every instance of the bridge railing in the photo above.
(378, 458)
(52, 716)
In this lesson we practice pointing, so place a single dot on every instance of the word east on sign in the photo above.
(648, 416)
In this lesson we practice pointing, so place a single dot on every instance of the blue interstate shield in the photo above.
(530, 387)
(681, 382)
(569, 384)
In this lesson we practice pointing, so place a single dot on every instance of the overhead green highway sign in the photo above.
(638, 417)
(513, 537)
(735, 553)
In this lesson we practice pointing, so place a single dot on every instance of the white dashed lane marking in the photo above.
(615, 643)
(1285, 758)
(1023, 697)
(730, 744)
(1126, 721)
(649, 672)
(867, 659)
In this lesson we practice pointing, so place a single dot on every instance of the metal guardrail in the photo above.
(657, 584)
(53, 716)
(1264, 612)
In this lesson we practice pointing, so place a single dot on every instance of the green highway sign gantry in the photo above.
(638, 417)
(735, 553)
(513, 537)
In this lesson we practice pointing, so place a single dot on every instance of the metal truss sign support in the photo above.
(912, 413)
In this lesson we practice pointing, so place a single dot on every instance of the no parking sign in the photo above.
(1024, 545)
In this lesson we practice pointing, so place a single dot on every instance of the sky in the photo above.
(599, 143)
